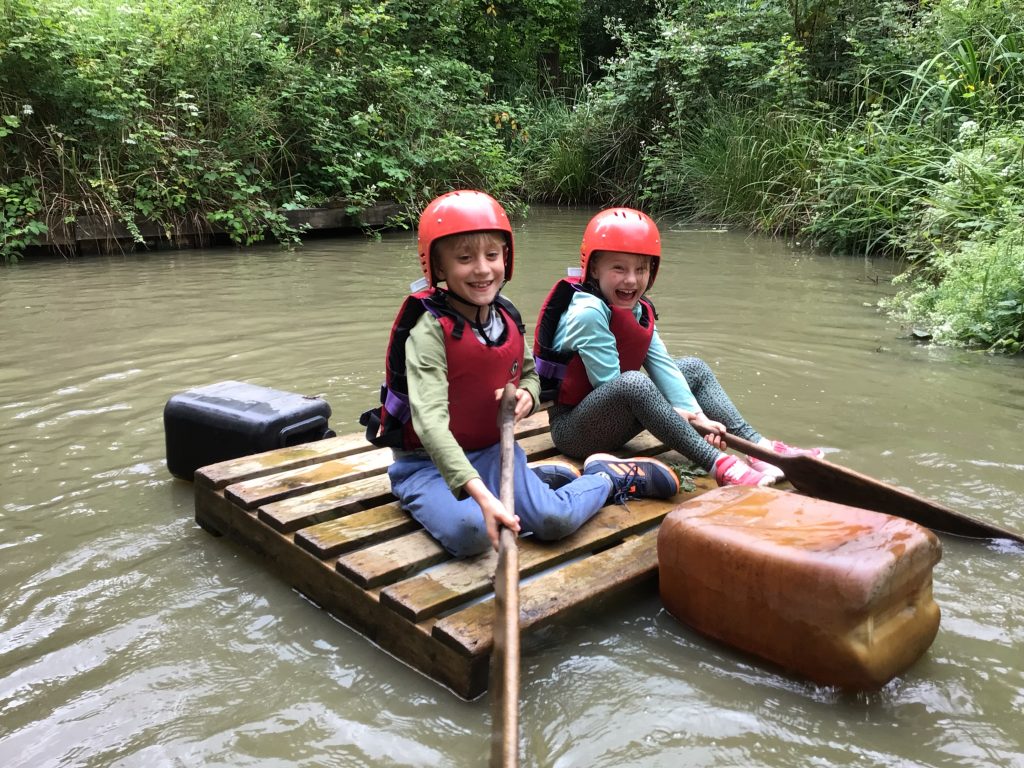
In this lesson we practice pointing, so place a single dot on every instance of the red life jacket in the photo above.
(563, 377)
(475, 371)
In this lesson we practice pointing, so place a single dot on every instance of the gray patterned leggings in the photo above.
(618, 411)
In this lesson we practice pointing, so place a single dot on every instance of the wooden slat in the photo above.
(256, 465)
(226, 473)
(391, 560)
(320, 506)
(355, 530)
(631, 563)
(264, 490)
(250, 494)
(455, 583)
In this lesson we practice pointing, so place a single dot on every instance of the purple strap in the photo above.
(549, 369)
(397, 405)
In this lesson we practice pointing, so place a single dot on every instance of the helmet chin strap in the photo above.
(477, 324)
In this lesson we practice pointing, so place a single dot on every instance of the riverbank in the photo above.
(99, 235)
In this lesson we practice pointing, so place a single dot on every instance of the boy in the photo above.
(597, 329)
(451, 352)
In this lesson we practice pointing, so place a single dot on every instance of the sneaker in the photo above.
(555, 473)
(729, 470)
(787, 450)
(782, 449)
(770, 470)
(639, 477)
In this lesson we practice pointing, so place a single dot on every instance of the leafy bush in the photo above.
(217, 114)
(980, 298)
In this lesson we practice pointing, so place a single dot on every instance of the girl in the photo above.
(596, 331)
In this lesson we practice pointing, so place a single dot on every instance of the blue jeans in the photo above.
(459, 525)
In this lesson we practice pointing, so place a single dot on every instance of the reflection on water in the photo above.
(129, 637)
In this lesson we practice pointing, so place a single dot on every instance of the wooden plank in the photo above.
(392, 560)
(320, 506)
(356, 530)
(232, 471)
(455, 583)
(358, 608)
(225, 473)
(250, 494)
(625, 566)
(265, 490)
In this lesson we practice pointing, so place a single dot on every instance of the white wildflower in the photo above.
(968, 129)
(26, 110)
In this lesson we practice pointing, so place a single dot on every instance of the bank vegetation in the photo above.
(888, 127)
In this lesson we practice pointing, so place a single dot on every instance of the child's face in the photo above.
(472, 265)
(622, 277)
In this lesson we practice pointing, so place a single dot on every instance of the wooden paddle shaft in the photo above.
(505, 659)
(832, 482)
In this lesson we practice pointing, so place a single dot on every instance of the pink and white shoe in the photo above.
(729, 470)
(783, 450)
(787, 450)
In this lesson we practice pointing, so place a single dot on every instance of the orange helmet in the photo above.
(456, 213)
(624, 230)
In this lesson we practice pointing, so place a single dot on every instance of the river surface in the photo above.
(130, 637)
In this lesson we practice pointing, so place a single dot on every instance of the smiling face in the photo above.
(473, 266)
(622, 277)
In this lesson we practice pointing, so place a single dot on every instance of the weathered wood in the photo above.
(271, 462)
(451, 584)
(633, 562)
(327, 504)
(225, 473)
(355, 530)
(505, 661)
(391, 560)
(328, 474)
(324, 517)
(249, 494)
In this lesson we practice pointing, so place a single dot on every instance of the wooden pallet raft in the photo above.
(324, 517)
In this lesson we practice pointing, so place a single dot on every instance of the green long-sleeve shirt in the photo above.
(426, 370)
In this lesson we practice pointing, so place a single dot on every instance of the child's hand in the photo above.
(524, 402)
(715, 430)
(492, 509)
(496, 515)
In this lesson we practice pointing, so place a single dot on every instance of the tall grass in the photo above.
(740, 162)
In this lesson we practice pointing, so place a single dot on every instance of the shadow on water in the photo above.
(129, 637)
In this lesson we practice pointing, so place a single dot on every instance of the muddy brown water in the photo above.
(129, 637)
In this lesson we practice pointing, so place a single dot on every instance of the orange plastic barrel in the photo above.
(837, 594)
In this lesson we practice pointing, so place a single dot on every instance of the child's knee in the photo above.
(467, 538)
(551, 525)
(693, 368)
(637, 383)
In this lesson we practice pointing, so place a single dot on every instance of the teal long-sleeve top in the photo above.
(585, 328)
(426, 369)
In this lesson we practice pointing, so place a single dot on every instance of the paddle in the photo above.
(505, 656)
(832, 482)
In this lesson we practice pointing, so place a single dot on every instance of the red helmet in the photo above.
(459, 212)
(625, 230)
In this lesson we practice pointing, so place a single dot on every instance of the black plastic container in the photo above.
(232, 419)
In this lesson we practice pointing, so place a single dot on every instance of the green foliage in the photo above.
(219, 113)
(20, 225)
(980, 299)
(740, 163)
